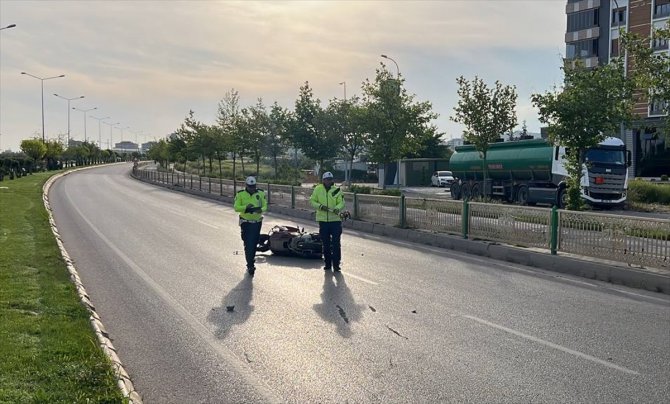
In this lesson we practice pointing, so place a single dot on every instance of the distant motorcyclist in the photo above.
(250, 203)
(328, 200)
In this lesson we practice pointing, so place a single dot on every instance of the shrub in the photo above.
(360, 189)
(646, 192)
(390, 192)
(664, 177)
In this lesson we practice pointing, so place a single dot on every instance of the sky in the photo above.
(145, 64)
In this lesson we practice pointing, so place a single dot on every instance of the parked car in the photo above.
(441, 179)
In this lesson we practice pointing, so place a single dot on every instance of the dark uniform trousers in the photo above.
(251, 232)
(331, 233)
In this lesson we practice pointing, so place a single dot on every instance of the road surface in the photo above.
(402, 323)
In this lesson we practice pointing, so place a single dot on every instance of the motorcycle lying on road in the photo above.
(290, 240)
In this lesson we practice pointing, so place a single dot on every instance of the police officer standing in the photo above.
(250, 203)
(328, 200)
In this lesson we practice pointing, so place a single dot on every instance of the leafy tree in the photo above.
(650, 71)
(229, 119)
(348, 117)
(34, 148)
(53, 154)
(487, 113)
(159, 152)
(313, 129)
(395, 123)
(591, 104)
(277, 136)
(259, 127)
(198, 141)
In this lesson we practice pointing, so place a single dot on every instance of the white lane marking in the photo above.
(350, 275)
(208, 224)
(552, 345)
(641, 295)
(195, 324)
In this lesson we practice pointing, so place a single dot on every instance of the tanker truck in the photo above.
(532, 171)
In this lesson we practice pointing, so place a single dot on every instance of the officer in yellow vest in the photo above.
(250, 203)
(328, 200)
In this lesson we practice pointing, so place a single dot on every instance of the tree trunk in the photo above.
(274, 157)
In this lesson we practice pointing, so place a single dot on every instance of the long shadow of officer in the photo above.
(236, 308)
(337, 304)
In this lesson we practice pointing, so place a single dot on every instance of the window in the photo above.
(582, 49)
(618, 17)
(661, 8)
(658, 107)
(583, 20)
(614, 49)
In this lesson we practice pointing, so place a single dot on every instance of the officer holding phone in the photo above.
(250, 203)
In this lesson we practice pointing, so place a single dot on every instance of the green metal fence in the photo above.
(630, 240)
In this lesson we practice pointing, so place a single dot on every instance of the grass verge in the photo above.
(49, 350)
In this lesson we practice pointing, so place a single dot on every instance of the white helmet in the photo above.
(250, 180)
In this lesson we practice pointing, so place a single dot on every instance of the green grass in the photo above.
(48, 350)
(649, 192)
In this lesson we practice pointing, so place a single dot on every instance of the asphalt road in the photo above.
(402, 323)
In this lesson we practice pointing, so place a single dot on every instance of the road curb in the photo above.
(124, 382)
(626, 276)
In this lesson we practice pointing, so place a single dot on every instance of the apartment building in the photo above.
(592, 35)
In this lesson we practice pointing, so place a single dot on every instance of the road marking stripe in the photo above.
(361, 279)
(208, 224)
(552, 345)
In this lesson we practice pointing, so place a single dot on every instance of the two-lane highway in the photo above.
(402, 323)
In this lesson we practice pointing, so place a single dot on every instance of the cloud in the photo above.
(146, 63)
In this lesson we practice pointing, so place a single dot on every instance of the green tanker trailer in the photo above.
(533, 171)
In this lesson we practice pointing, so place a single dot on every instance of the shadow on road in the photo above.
(236, 308)
(337, 304)
(291, 262)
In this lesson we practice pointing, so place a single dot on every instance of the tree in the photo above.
(487, 113)
(277, 136)
(591, 104)
(259, 127)
(395, 123)
(313, 130)
(229, 118)
(159, 152)
(53, 153)
(34, 148)
(348, 119)
(650, 70)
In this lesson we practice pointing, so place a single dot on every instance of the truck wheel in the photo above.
(455, 191)
(562, 201)
(475, 192)
(465, 191)
(522, 195)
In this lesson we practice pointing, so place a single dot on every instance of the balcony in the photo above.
(589, 33)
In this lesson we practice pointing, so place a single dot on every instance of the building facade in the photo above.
(592, 35)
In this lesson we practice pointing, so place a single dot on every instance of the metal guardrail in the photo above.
(629, 240)
(518, 225)
(632, 240)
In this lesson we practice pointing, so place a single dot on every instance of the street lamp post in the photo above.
(396, 65)
(398, 84)
(85, 111)
(68, 114)
(344, 83)
(111, 127)
(42, 80)
(9, 26)
(99, 132)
